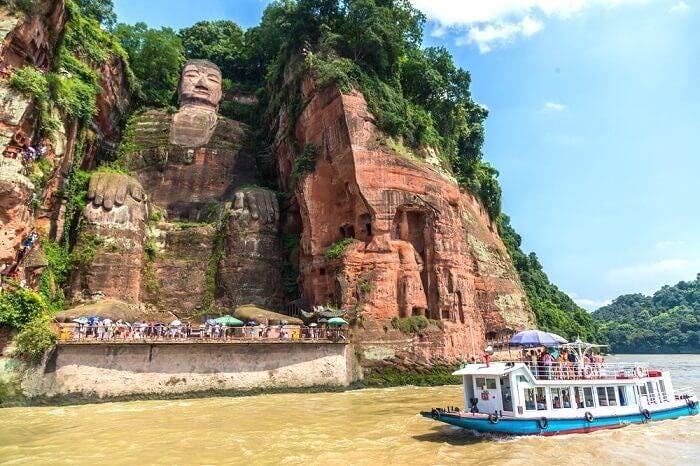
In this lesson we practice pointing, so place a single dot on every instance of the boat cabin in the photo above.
(516, 389)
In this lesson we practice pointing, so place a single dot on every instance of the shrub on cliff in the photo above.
(34, 340)
(19, 307)
(413, 324)
(338, 249)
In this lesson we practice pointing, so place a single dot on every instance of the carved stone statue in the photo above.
(199, 95)
(188, 167)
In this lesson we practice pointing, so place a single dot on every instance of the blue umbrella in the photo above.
(558, 338)
(535, 338)
(211, 322)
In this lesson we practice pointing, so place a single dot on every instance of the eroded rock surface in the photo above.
(421, 246)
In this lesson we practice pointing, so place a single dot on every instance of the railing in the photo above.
(95, 334)
(684, 393)
(592, 371)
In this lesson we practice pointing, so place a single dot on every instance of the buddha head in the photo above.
(200, 84)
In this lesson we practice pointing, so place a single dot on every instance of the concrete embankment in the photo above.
(161, 370)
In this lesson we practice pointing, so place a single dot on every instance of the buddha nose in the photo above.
(202, 82)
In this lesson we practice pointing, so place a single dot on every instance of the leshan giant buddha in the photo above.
(160, 239)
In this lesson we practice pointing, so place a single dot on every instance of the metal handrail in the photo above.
(592, 371)
(683, 393)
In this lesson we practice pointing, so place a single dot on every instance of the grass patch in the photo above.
(414, 324)
(393, 376)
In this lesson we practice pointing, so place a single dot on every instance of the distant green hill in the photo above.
(667, 322)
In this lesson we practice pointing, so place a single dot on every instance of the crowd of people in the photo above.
(96, 329)
(552, 364)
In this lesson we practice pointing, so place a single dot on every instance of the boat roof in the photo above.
(495, 368)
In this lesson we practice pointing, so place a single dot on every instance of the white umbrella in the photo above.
(313, 324)
(107, 321)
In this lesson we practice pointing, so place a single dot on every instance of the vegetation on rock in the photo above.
(337, 250)
(666, 322)
(34, 340)
(156, 57)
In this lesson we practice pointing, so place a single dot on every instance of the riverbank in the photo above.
(83, 373)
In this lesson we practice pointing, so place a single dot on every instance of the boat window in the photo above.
(611, 396)
(541, 399)
(662, 390)
(588, 396)
(485, 384)
(578, 397)
(651, 394)
(622, 393)
(560, 398)
(506, 395)
(530, 403)
(602, 397)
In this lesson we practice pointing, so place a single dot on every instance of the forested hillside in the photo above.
(666, 322)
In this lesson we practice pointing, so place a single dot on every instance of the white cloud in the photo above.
(500, 33)
(592, 304)
(554, 106)
(680, 7)
(649, 277)
(491, 23)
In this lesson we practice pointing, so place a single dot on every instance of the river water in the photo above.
(371, 426)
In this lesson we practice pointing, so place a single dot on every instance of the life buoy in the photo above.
(543, 423)
(493, 418)
(435, 413)
(646, 414)
(588, 416)
(691, 403)
(639, 372)
(587, 371)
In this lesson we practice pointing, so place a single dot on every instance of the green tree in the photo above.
(156, 57)
(20, 307)
(221, 42)
(666, 322)
(100, 10)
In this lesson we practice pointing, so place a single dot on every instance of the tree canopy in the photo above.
(100, 10)
(666, 322)
(156, 57)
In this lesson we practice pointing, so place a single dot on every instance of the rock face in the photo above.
(385, 234)
(415, 244)
(210, 240)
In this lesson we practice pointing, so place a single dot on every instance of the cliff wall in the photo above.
(107, 371)
(415, 245)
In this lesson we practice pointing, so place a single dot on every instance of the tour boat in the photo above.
(518, 398)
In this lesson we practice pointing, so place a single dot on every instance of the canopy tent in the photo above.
(229, 321)
(536, 338)
(337, 321)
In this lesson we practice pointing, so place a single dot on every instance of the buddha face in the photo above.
(200, 84)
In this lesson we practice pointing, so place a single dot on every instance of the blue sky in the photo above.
(594, 125)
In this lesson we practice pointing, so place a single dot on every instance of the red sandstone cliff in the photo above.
(421, 246)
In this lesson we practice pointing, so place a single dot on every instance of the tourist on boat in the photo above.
(534, 363)
(547, 362)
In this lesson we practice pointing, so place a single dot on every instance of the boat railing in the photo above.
(683, 393)
(590, 371)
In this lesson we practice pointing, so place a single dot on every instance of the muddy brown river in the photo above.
(371, 426)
